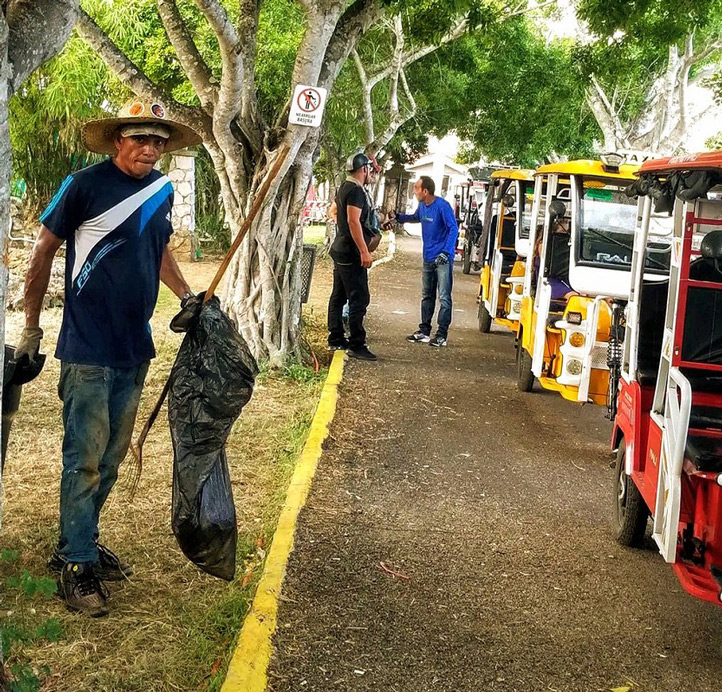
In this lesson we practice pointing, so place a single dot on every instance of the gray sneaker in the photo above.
(82, 591)
(418, 337)
(438, 341)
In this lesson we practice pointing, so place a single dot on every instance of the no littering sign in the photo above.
(307, 106)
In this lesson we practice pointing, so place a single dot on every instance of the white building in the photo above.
(443, 170)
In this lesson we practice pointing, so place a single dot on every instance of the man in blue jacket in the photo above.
(439, 232)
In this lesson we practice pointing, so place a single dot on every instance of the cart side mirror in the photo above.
(509, 201)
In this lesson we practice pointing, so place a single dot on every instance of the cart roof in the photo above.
(589, 168)
(514, 174)
(710, 160)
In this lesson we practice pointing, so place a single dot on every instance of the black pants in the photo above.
(350, 283)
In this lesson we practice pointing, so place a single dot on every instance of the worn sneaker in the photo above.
(438, 341)
(340, 346)
(109, 566)
(418, 337)
(362, 353)
(82, 591)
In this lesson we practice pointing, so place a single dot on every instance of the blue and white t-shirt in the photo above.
(116, 228)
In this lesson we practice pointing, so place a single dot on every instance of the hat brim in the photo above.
(99, 135)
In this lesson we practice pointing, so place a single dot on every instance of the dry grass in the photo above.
(171, 627)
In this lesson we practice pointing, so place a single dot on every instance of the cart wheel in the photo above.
(630, 509)
(524, 375)
(484, 318)
(466, 269)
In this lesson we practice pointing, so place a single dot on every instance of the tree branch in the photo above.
(397, 65)
(135, 78)
(397, 121)
(228, 104)
(199, 74)
(366, 96)
(416, 54)
(354, 22)
(220, 22)
(250, 120)
(606, 118)
(38, 30)
(691, 58)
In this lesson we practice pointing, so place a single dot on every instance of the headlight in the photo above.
(515, 306)
(574, 366)
(576, 339)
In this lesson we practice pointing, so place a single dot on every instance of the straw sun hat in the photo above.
(147, 117)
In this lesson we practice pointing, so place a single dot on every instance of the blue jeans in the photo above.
(99, 409)
(435, 279)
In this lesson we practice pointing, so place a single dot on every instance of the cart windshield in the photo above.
(608, 219)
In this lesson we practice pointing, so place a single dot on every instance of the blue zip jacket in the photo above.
(438, 228)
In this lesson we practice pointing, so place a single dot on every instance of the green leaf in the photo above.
(8, 556)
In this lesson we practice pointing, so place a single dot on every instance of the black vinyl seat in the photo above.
(556, 312)
(702, 338)
(705, 417)
(508, 238)
(652, 306)
(705, 453)
(559, 257)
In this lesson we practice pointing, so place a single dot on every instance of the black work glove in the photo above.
(190, 309)
(441, 259)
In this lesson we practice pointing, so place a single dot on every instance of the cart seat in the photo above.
(647, 377)
(703, 381)
(705, 453)
(653, 303)
(706, 417)
(507, 263)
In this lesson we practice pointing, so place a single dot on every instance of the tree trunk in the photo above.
(263, 288)
(5, 171)
(5, 168)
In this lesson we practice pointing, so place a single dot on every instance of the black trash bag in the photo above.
(210, 383)
(16, 373)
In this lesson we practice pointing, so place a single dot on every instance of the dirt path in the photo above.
(495, 505)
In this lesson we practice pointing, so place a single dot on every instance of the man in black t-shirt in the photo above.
(351, 260)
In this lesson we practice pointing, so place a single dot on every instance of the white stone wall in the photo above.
(183, 175)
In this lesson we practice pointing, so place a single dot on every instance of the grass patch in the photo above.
(171, 627)
(314, 233)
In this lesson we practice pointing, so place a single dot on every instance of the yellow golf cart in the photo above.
(505, 245)
(578, 278)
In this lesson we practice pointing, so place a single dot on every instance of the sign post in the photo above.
(307, 106)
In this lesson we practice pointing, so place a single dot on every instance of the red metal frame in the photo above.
(686, 162)
(699, 544)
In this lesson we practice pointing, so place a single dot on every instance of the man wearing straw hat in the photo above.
(115, 218)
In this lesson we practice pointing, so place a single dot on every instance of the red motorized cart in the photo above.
(668, 428)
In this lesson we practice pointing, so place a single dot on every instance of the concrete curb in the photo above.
(247, 671)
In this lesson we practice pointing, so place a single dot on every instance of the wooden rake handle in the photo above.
(257, 203)
(137, 447)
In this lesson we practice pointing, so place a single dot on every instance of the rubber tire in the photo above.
(630, 523)
(524, 375)
(466, 269)
(484, 318)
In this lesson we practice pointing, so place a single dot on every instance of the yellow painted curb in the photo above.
(248, 668)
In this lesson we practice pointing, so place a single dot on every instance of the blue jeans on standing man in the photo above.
(436, 278)
(99, 409)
